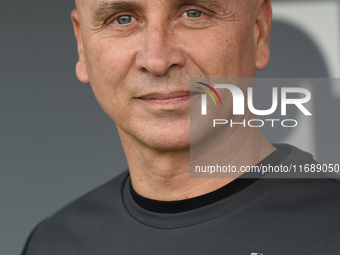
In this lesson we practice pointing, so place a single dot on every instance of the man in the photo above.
(139, 56)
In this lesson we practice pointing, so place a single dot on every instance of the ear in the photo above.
(80, 67)
(263, 19)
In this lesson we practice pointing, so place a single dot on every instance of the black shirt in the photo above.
(270, 216)
(193, 203)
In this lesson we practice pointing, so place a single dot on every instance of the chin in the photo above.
(163, 134)
(164, 141)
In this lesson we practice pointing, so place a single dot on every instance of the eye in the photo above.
(194, 14)
(122, 20)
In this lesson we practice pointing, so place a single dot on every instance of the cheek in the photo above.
(107, 63)
(206, 48)
(222, 52)
(247, 49)
(108, 66)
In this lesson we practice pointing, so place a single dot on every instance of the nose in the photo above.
(159, 52)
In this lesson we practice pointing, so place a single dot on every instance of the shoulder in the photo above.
(302, 165)
(307, 181)
(79, 218)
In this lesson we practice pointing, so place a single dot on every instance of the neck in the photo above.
(165, 175)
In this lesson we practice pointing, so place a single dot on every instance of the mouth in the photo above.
(160, 96)
(172, 98)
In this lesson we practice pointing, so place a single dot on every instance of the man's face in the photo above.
(139, 56)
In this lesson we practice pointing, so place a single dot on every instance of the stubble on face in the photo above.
(123, 64)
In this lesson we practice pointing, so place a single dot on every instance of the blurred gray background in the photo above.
(57, 144)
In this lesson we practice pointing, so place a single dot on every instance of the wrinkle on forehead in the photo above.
(106, 3)
(97, 10)
(212, 2)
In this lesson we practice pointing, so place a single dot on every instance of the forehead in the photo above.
(92, 6)
(97, 3)
(94, 12)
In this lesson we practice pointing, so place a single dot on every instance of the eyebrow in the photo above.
(106, 8)
(214, 4)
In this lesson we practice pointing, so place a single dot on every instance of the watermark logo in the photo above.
(294, 96)
(204, 97)
(239, 100)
